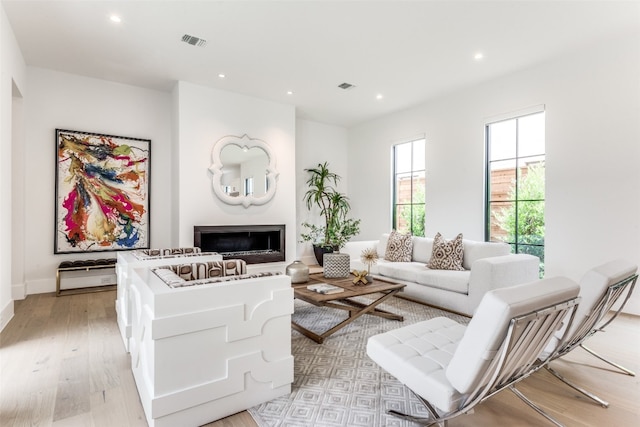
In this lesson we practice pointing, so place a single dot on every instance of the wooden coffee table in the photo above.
(344, 301)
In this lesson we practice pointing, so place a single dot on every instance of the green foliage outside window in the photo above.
(414, 214)
(524, 225)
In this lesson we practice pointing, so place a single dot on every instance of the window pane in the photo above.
(403, 188)
(531, 178)
(502, 225)
(418, 155)
(502, 140)
(530, 217)
(403, 157)
(403, 218)
(417, 227)
(531, 135)
(418, 187)
(502, 181)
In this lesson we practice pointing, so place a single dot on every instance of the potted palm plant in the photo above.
(334, 208)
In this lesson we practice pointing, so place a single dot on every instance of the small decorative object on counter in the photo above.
(369, 257)
(361, 277)
(336, 265)
(298, 271)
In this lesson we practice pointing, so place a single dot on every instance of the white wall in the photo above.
(317, 143)
(59, 100)
(207, 115)
(592, 100)
(17, 190)
(12, 88)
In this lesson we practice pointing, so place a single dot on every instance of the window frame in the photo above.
(411, 172)
(517, 159)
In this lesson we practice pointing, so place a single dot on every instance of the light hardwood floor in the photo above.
(62, 363)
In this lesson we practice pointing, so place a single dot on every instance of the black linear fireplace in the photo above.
(253, 243)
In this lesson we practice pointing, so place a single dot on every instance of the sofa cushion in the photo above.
(474, 250)
(178, 276)
(168, 276)
(382, 245)
(193, 271)
(422, 248)
(234, 267)
(446, 254)
(169, 251)
(399, 247)
(205, 270)
(407, 271)
(224, 279)
(454, 281)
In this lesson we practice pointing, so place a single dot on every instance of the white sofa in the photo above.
(487, 266)
(128, 260)
(204, 350)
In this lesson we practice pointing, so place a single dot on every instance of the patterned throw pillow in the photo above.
(399, 247)
(446, 255)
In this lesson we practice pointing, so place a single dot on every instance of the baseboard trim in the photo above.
(18, 291)
(6, 314)
(41, 286)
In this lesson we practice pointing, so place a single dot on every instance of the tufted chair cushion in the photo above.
(418, 355)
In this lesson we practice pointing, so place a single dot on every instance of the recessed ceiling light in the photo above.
(379, 96)
(478, 56)
(289, 92)
(222, 75)
(115, 18)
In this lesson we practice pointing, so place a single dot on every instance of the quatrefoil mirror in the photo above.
(243, 171)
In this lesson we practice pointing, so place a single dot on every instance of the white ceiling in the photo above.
(408, 51)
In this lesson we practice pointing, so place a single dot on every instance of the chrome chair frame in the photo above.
(590, 327)
(516, 360)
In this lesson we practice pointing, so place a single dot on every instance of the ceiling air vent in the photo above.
(346, 86)
(193, 40)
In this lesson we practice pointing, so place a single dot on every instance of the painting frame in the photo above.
(102, 192)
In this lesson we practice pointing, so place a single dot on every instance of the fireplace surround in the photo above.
(255, 244)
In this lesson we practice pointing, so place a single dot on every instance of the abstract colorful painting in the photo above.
(102, 192)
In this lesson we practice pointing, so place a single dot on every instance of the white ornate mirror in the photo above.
(244, 171)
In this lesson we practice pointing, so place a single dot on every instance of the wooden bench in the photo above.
(86, 265)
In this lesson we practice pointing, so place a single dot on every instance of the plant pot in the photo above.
(319, 252)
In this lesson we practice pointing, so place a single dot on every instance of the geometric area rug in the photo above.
(335, 383)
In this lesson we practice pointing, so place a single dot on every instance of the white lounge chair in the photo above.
(600, 289)
(452, 367)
